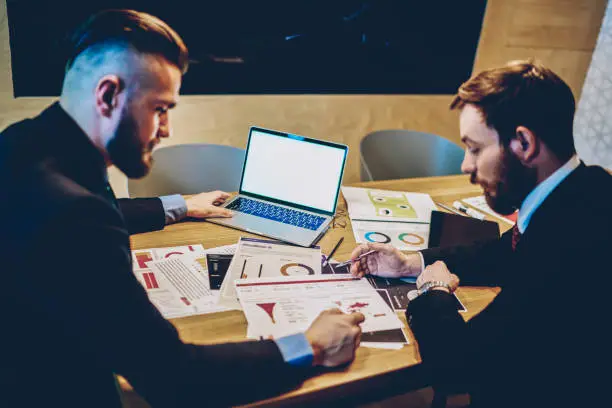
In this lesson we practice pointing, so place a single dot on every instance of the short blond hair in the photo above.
(145, 33)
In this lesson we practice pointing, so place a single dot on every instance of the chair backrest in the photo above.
(394, 154)
(191, 169)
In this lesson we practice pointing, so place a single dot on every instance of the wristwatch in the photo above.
(426, 287)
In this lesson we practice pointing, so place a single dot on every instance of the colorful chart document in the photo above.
(141, 257)
(403, 236)
(366, 204)
(260, 258)
(176, 281)
(280, 306)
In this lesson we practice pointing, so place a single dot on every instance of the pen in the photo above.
(449, 209)
(356, 259)
(333, 251)
(469, 211)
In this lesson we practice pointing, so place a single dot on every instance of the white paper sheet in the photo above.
(480, 203)
(383, 205)
(188, 281)
(286, 305)
(223, 250)
(403, 236)
(386, 346)
(141, 257)
(176, 280)
(274, 258)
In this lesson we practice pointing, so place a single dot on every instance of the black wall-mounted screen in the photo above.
(275, 47)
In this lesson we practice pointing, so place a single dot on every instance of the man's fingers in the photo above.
(377, 246)
(357, 317)
(355, 269)
(220, 212)
(359, 250)
(454, 282)
(333, 311)
(371, 264)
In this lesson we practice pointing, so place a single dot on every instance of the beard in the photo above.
(515, 182)
(126, 150)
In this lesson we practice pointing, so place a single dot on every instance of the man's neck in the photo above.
(544, 188)
(80, 117)
(547, 167)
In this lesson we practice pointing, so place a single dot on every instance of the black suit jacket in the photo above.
(538, 342)
(73, 313)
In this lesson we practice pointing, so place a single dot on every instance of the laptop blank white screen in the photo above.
(293, 170)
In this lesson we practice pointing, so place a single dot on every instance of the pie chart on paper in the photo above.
(411, 238)
(296, 269)
(379, 237)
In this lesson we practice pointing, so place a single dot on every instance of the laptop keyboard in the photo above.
(276, 213)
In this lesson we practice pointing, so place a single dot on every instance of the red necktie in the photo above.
(516, 236)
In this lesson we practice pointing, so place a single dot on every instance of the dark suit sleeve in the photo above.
(97, 300)
(142, 214)
(525, 330)
(476, 265)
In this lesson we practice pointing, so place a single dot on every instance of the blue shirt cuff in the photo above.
(175, 208)
(296, 350)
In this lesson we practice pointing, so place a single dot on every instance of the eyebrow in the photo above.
(466, 139)
(171, 104)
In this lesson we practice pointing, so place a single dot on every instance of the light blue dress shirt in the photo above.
(537, 196)
(175, 208)
(543, 190)
(296, 349)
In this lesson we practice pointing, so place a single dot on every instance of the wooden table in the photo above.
(374, 371)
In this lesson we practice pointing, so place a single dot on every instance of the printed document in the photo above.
(280, 306)
(480, 203)
(403, 236)
(260, 258)
(366, 204)
(175, 280)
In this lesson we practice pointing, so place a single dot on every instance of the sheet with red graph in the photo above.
(280, 306)
(176, 280)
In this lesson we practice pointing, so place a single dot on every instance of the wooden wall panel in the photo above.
(561, 33)
(567, 24)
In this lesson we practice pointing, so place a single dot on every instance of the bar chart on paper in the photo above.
(150, 280)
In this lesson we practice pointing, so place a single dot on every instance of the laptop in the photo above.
(289, 187)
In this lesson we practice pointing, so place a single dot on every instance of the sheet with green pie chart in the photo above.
(384, 205)
(398, 218)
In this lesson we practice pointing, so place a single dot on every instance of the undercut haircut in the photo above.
(145, 33)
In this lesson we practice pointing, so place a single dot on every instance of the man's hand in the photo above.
(387, 262)
(334, 337)
(438, 271)
(205, 205)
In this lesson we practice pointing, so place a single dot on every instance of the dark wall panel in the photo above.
(275, 47)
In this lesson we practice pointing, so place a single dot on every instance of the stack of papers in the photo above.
(480, 203)
(276, 307)
(176, 280)
(260, 258)
(390, 217)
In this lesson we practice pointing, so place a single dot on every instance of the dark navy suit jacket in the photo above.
(73, 313)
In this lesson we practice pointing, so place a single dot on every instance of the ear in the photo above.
(525, 145)
(107, 94)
